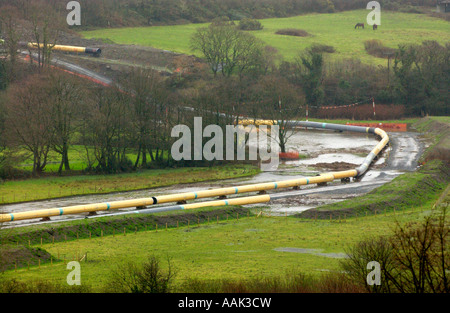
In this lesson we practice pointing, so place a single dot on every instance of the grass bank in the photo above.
(406, 191)
(34, 189)
(437, 130)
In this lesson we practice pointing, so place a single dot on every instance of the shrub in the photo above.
(249, 24)
(415, 259)
(320, 48)
(148, 277)
(293, 32)
(376, 48)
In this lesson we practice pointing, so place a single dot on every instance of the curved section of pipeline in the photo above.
(323, 178)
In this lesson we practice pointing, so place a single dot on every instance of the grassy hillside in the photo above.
(231, 248)
(335, 29)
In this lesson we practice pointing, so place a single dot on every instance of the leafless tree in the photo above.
(28, 124)
(228, 50)
(66, 100)
(414, 259)
(149, 105)
(105, 130)
(46, 27)
(9, 30)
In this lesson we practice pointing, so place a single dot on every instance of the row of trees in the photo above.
(52, 111)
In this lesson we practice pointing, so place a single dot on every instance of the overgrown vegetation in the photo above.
(376, 48)
(147, 277)
(414, 259)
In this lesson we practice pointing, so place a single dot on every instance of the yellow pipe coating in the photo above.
(235, 201)
(34, 45)
(327, 177)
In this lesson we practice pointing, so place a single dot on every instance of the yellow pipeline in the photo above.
(73, 49)
(328, 177)
(235, 201)
(34, 45)
(77, 209)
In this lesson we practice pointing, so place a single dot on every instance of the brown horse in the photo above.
(375, 26)
(359, 25)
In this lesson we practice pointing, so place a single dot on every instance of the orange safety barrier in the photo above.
(289, 155)
(396, 127)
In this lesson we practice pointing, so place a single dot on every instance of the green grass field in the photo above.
(248, 248)
(335, 29)
(33, 189)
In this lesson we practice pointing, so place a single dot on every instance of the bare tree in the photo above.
(66, 98)
(105, 130)
(414, 259)
(227, 49)
(8, 28)
(149, 112)
(279, 101)
(46, 26)
(28, 123)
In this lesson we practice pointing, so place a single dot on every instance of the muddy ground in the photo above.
(116, 60)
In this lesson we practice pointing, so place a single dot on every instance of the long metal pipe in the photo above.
(323, 178)
(74, 49)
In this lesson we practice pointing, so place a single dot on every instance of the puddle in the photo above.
(333, 157)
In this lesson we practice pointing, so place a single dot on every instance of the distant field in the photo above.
(331, 29)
